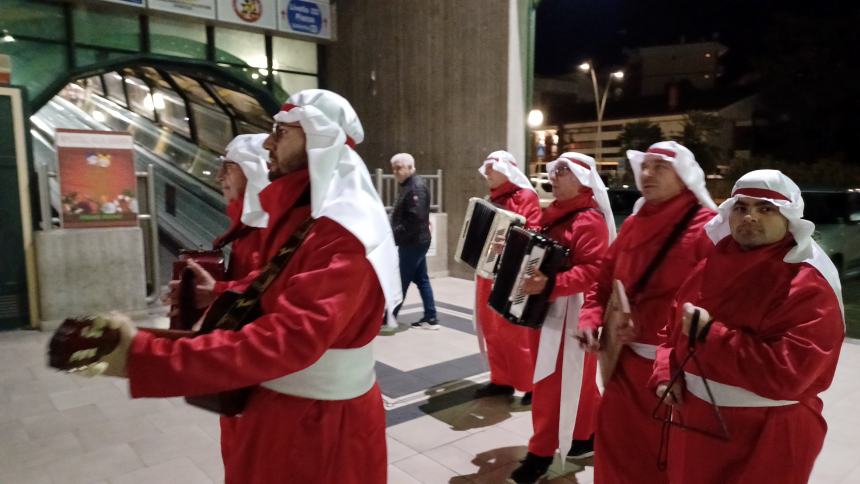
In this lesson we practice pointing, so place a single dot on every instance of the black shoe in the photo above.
(527, 399)
(427, 323)
(532, 469)
(492, 390)
(581, 449)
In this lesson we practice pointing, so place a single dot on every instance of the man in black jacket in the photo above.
(410, 221)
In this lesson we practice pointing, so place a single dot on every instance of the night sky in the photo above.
(570, 31)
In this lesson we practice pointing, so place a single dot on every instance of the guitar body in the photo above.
(187, 311)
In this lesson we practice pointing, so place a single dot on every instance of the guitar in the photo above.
(617, 315)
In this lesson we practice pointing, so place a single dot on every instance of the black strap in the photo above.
(234, 316)
(232, 235)
(564, 219)
(664, 249)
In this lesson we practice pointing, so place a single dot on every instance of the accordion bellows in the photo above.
(524, 252)
(482, 224)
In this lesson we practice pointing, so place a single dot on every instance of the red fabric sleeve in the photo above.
(590, 240)
(236, 286)
(591, 316)
(527, 204)
(312, 309)
(801, 345)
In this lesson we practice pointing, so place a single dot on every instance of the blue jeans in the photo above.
(413, 268)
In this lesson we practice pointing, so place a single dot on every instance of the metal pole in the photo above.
(600, 121)
(599, 144)
(153, 229)
(44, 197)
(378, 181)
(439, 189)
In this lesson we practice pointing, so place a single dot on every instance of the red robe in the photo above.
(507, 344)
(588, 239)
(627, 437)
(244, 249)
(777, 332)
(307, 310)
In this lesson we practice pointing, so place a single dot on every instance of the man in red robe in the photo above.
(673, 197)
(243, 174)
(565, 392)
(316, 414)
(769, 332)
(507, 345)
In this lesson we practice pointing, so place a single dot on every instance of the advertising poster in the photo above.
(98, 187)
(252, 13)
(196, 8)
(305, 17)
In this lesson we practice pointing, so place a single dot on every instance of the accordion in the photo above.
(188, 313)
(483, 223)
(524, 252)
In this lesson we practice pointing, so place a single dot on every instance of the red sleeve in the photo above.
(801, 344)
(527, 204)
(313, 308)
(590, 239)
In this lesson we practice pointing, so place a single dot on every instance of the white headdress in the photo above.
(341, 187)
(246, 150)
(685, 165)
(505, 163)
(778, 189)
(585, 170)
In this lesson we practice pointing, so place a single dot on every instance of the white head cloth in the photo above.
(685, 165)
(341, 187)
(505, 163)
(246, 150)
(585, 170)
(778, 189)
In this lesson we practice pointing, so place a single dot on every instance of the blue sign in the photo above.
(304, 16)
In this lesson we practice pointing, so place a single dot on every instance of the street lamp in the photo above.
(535, 118)
(600, 102)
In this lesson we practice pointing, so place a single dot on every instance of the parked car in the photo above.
(620, 199)
(836, 215)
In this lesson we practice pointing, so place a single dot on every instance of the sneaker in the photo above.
(532, 468)
(581, 449)
(427, 323)
(527, 399)
(492, 390)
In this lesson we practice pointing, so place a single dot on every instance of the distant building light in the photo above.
(585, 67)
(707, 76)
(707, 55)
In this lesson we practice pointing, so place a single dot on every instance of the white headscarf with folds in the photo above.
(685, 165)
(341, 187)
(246, 150)
(778, 189)
(505, 163)
(585, 170)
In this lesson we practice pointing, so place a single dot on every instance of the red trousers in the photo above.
(508, 348)
(546, 401)
(627, 439)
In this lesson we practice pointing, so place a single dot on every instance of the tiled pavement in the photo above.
(59, 429)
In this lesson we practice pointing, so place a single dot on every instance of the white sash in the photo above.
(729, 395)
(644, 350)
(339, 374)
(572, 361)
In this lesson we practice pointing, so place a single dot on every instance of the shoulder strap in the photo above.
(234, 316)
(232, 235)
(564, 219)
(664, 249)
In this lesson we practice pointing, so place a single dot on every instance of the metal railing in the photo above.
(148, 221)
(389, 189)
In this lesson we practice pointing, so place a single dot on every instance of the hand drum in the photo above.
(80, 342)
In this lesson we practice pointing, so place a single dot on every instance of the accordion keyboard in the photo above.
(527, 269)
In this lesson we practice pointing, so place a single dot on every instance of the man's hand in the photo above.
(535, 284)
(674, 396)
(115, 362)
(687, 318)
(203, 289)
(587, 339)
(626, 333)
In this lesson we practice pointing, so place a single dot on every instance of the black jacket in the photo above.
(410, 219)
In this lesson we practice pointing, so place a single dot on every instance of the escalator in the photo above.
(190, 209)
